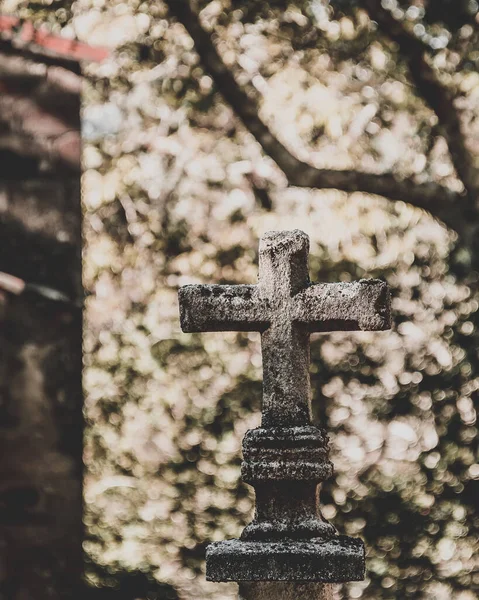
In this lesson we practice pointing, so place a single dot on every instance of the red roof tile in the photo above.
(14, 29)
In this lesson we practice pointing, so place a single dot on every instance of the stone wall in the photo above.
(40, 337)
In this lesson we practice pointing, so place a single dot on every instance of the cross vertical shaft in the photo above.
(283, 272)
(286, 387)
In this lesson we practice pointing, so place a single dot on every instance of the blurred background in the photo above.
(356, 122)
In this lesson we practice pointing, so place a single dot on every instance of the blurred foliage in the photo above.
(176, 191)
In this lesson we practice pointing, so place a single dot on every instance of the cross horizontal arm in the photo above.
(362, 305)
(222, 308)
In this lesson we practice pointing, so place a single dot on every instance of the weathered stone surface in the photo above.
(41, 400)
(285, 307)
(287, 510)
(287, 456)
(332, 561)
(266, 590)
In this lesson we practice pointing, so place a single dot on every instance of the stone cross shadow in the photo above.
(287, 457)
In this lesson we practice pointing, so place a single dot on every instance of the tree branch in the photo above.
(436, 199)
(438, 97)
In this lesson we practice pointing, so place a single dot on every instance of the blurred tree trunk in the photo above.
(40, 332)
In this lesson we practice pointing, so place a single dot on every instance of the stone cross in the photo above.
(287, 457)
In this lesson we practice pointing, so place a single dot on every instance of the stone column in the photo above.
(41, 422)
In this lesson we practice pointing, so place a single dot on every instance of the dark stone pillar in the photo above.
(41, 423)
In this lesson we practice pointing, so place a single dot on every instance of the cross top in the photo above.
(286, 308)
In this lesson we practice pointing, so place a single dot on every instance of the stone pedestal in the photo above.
(288, 540)
(334, 561)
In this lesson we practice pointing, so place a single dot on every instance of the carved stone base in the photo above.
(285, 454)
(333, 561)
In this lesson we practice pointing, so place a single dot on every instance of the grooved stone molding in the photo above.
(287, 457)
